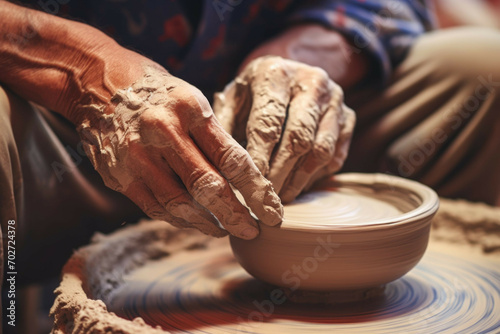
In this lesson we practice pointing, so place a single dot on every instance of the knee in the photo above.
(464, 54)
(6, 133)
(9, 162)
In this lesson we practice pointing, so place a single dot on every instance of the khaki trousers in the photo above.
(437, 121)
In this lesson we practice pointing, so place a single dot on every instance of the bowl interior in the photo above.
(359, 200)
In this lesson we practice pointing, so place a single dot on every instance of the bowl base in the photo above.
(334, 297)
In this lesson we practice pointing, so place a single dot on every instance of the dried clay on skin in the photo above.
(157, 130)
(295, 106)
(115, 132)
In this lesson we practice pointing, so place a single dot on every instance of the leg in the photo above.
(10, 171)
(438, 121)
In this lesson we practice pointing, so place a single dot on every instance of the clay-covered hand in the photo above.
(293, 119)
(163, 148)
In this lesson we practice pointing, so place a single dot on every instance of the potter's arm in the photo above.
(351, 40)
(61, 64)
(316, 45)
(150, 135)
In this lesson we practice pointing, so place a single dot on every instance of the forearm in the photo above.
(317, 46)
(63, 65)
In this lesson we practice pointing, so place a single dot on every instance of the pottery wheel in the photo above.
(206, 291)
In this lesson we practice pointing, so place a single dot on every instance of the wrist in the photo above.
(316, 45)
(111, 68)
(66, 66)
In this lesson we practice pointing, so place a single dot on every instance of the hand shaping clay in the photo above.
(293, 118)
(164, 149)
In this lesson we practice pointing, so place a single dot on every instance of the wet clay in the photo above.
(465, 223)
(352, 232)
(104, 265)
(323, 209)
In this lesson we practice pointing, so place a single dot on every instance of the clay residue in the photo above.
(162, 147)
(107, 143)
(459, 221)
(292, 118)
(95, 271)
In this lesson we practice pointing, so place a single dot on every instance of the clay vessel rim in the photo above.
(429, 202)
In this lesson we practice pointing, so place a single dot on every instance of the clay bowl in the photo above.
(351, 233)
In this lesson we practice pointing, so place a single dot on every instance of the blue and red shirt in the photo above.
(204, 41)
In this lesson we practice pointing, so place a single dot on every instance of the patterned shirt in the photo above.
(204, 41)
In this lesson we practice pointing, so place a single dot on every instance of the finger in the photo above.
(208, 187)
(232, 107)
(321, 154)
(324, 147)
(341, 148)
(307, 106)
(344, 141)
(142, 196)
(236, 165)
(172, 196)
(270, 96)
(224, 105)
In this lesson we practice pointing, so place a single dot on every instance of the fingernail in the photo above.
(249, 233)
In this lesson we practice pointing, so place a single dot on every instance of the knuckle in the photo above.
(336, 93)
(268, 66)
(325, 149)
(271, 135)
(320, 74)
(149, 118)
(301, 140)
(267, 128)
(171, 203)
(153, 210)
(232, 161)
(206, 186)
(272, 62)
(189, 101)
(349, 121)
(156, 130)
(313, 77)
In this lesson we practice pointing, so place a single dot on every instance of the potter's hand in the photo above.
(292, 117)
(163, 148)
